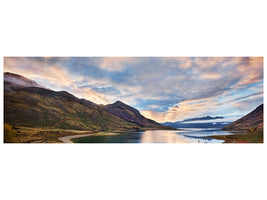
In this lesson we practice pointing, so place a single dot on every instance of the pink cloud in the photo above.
(55, 74)
(35, 69)
(181, 111)
(208, 62)
(211, 76)
(91, 95)
(251, 71)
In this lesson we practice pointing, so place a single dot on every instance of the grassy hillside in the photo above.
(39, 107)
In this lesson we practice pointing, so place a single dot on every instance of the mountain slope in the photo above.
(252, 120)
(40, 107)
(131, 114)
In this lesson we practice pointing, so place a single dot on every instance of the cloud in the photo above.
(38, 68)
(208, 62)
(51, 73)
(114, 63)
(155, 85)
(90, 95)
(211, 75)
(180, 111)
(256, 94)
(249, 104)
(252, 71)
(180, 62)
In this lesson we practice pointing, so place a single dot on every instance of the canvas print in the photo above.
(133, 100)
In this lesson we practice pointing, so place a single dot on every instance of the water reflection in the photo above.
(158, 136)
(186, 136)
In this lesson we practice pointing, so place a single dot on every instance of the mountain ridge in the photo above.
(196, 125)
(41, 107)
(130, 114)
(192, 123)
(203, 118)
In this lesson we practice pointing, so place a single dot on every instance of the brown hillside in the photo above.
(252, 120)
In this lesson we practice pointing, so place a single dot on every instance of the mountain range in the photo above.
(181, 124)
(26, 103)
(200, 122)
(203, 118)
(29, 104)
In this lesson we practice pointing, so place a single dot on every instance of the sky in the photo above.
(165, 89)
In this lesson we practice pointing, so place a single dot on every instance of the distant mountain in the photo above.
(27, 104)
(131, 114)
(196, 125)
(252, 120)
(203, 118)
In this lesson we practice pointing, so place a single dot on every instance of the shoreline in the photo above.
(236, 137)
(67, 139)
(241, 137)
(56, 135)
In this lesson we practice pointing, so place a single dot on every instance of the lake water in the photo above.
(158, 136)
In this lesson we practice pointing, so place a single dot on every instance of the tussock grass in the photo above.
(9, 133)
(253, 135)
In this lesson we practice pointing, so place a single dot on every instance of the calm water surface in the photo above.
(158, 136)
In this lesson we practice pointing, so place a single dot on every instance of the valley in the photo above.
(35, 114)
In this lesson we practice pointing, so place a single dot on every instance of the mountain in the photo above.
(13, 81)
(203, 118)
(28, 104)
(180, 124)
(194, 123)
(253, 119)
(131, 114)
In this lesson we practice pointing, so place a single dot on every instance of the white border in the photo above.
(129, 171)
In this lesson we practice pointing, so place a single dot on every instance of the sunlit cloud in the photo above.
(181, 111)
(208, 62)
(114, 63)
(252, 71)
(91, 95)
(39, 69)
(211, 76)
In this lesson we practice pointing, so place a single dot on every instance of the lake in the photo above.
(158, 136)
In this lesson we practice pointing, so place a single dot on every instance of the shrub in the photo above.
(254, 135)
(9, 133)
